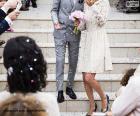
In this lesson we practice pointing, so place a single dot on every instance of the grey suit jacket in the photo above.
(60, 12)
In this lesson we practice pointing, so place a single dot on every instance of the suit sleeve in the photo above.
(3, 26)
(2, 14)
(55, 10)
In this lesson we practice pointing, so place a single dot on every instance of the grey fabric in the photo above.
(63, 37)
(73, 50)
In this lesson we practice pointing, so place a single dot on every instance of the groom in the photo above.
(64, 36)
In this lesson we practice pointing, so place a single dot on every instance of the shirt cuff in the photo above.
(9, 20)
(5, 9)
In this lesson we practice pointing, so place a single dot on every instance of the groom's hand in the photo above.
(57, 26)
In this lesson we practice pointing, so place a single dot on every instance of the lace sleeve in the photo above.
(101, 9)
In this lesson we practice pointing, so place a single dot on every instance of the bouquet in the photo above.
(78, 17)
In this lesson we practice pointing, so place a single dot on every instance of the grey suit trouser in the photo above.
(73, 50)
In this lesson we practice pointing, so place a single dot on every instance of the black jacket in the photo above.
(3, 23)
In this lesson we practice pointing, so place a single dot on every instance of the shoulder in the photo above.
(46, 98)
(4, 95)
(50, 103)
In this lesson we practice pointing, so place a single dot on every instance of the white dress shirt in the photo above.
(7, 18)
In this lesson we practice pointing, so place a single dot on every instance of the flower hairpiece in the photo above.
(10, 71)
(27, 40)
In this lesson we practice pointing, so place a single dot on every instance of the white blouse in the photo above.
(128, 103)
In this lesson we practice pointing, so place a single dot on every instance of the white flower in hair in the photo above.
(31, 68)
(10, 71)
(35, 60)
(21, 57)
(28, 40)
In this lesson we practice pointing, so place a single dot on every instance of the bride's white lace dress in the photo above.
(95, 52)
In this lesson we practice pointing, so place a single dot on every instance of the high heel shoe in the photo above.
(95, 109)
(107, 105)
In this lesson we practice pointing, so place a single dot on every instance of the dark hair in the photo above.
(25, 64)
(127, 76)
(20, 105)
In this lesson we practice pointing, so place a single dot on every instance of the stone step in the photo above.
(82, 104)
(114, 60)
(38, 14)
(34, 19)
(44, 23)
(112, 2)
(117, 50)
(112, 45)
(45, 35)
(110, 82)
(120, 65)
(78, 77)
(81, 114)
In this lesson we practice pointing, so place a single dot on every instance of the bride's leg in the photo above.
(99, 90)
(89, 92)
(92, 82)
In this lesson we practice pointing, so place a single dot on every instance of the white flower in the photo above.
(10, 71)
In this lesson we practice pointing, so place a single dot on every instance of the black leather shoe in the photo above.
(2, 42)
(60, 97)
(70, 93)
(34, 4)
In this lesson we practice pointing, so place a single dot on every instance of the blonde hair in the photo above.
(20, 105)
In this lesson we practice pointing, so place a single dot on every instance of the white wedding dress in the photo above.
(95, 52)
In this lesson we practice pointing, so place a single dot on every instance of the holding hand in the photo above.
(11, 4)
(57, 26)
(13, 15)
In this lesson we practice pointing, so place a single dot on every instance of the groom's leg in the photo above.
(60, 49)
(73, 48)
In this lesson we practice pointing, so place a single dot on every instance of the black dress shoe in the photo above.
(70, 93)
(2, 42)
(34, 4)
(60, 97)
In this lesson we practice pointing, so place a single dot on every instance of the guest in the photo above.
(95, 52)
(22, 106)
(6, 21)
(64, 36)
(128, 103)
(2, 3)
(125, 80)
(26, 73)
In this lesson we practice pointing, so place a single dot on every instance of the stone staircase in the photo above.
(124, 34)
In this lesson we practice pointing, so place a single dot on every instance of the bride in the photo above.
(95, 52)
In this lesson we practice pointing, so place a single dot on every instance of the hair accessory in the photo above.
(21, 71)
(32, 81)
(10, 71)
(31, 68)
(27, 40)
(21, 57)
(35, 59)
